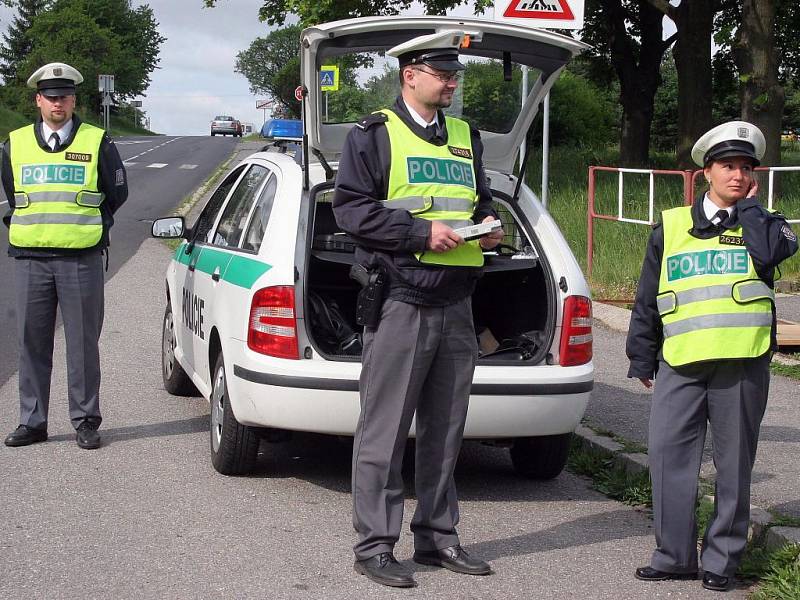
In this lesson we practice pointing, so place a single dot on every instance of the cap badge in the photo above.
(57, 72)
(742, 132)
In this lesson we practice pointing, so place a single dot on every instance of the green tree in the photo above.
(96, 36)
(760, 41)
(272, 66)
(628, 35)
(16, 43)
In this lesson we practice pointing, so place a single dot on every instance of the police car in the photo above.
(260, 310)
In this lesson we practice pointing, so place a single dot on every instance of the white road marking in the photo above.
(129, 164)
(188, 167)
(126, 142)
(156, 165)
(154, 148)
(4, 202)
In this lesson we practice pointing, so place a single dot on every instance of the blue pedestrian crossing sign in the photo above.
(329, 78)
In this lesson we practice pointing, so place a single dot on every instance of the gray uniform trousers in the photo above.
(731, 395)
(75, 284)
(420, 358)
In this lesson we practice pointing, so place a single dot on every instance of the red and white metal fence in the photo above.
(690, 181)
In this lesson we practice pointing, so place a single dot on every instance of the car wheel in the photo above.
(176, 381)
(234, 447)
(541, 457)
(213, 134)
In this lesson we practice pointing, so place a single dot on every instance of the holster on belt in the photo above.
(370, 298)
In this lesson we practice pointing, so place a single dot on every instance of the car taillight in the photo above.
(576, 332)
(273, 328)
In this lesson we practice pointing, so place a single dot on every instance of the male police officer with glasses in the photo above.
(64, 180)
(704, 322)
(420, 357)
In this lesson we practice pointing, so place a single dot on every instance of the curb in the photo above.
(760, 519)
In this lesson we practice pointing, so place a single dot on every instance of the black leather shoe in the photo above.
(712, 581)
(650, 574)
(384, 569)
(25, 436)
(454, 558)
(87, 436)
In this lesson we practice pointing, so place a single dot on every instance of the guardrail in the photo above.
(592, 214)
(689, 185)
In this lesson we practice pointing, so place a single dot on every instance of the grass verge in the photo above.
(792, 371)
(611, 479)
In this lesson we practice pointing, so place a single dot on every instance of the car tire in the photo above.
(176, 381)
(234, 447)
(540, 457)
(213, 134)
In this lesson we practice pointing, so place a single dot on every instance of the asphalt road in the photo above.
(162, 170)
(146, 516)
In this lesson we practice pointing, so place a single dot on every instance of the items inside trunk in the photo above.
(510, 303)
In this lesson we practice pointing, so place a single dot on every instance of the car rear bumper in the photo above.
(331, 405)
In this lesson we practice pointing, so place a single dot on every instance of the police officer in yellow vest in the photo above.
(408, 176)
(64, 180)
(703, 325)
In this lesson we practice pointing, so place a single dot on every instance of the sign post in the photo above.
(551, 14)
(105, 84)
(328, 82)
(264, 105)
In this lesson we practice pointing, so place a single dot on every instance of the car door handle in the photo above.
(215, 274)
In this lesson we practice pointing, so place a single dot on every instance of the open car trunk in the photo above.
(512, 305)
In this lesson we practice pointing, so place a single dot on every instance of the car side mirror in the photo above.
(169, 227)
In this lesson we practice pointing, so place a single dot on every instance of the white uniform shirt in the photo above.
(711, 209)
(419, 120)
(63, 133)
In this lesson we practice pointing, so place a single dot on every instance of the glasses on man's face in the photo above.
(443, 76)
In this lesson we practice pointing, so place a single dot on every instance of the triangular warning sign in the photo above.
(539, 9)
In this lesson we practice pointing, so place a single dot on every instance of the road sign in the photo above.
(105, 83)
(136, 103)
(553, 14)
(329, 78)
(263, 104)
(298, 93)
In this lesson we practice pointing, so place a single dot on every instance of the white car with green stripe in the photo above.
(260, 310)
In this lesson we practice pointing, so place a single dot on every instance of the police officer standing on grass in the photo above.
(703, 324)
(407, 177)
(64, 181)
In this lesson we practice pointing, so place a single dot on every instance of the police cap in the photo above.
(734, 138)
(55, 79)
(437, 50)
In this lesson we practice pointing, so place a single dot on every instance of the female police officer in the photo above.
(704, 321)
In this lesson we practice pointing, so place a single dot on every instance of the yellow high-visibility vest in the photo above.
(712, 303)
(56, 194)
(435, 183)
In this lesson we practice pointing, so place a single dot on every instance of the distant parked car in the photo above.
(283, 128)
(226, 125)
(789, 135)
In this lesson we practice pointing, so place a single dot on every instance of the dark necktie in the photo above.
(434, 132)
(56, 141)
(719, 217)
